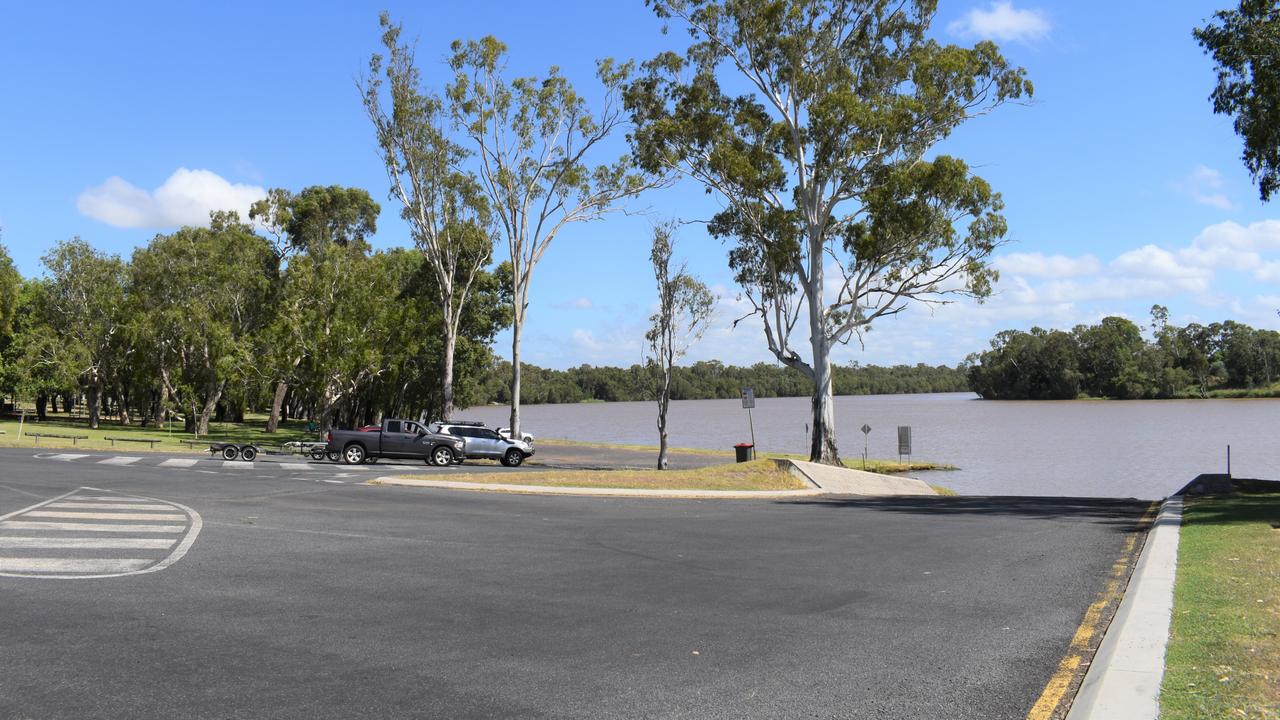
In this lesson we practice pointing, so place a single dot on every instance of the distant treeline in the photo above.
(712, 379)
(1113, 360)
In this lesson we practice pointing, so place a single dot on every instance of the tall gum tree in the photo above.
(685, 307)
(306, 225)
(443, 204)
(813, 119)
(532, 138)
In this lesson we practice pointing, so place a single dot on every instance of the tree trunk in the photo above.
(210, 405)
(92, 396)
(41, 401)
(125, 418)
(515, 374)
(277, 401)
(53, 401)
(664, 401)
(446, 382)
(822, 447)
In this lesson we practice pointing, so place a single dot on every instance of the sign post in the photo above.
(866, 432)
(748, 402)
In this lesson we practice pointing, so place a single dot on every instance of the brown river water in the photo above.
(1143, 449)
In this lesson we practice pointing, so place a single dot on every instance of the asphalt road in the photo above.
(307, 595)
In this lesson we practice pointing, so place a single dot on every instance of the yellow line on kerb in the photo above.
(1060, 682)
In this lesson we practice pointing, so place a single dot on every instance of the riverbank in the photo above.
(1224, 650)
(871, 465)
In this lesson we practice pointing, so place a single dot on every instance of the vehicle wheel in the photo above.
(230, 452)
(333, 455)
(353, 454)
(371, 460)
(441, 456)
(248, 454)
(317, 454)
(513, 458)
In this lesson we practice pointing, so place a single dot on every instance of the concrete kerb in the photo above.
(593, 492)
(1124, 679)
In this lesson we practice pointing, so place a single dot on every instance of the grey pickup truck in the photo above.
(394, 439)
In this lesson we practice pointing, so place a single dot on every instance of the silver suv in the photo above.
(481, 442)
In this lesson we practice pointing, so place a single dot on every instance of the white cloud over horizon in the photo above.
(1002, 21)
(185, 198)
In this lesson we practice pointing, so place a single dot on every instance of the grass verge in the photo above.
(877, 466)
(755, 475)
(169, 440)
(1224, 650)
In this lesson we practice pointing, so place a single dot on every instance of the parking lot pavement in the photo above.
(340, 601)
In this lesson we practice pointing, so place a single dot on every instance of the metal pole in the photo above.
(752, 424)
(21, 420)
(1228, 461)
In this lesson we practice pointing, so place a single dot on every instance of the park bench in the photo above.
(139, 440)
(193, 443)
(73, 438)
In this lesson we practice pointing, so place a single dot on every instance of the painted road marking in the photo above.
(71, 514)
(71, 542)
(296, 466)
(238, 464)
(1080, 652)
(67, 456)
(108, 506)
(79, 565)
(119, 460)
(87, 527)
(101, 499)
(179, 462)
(63, 549)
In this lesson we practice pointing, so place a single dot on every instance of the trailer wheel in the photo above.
(248, 453)
(230, 452)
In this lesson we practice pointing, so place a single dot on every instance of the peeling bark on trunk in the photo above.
(210, 404)
(515, 377)
(277, 401)
(446, 389)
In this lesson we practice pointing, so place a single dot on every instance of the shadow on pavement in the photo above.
(1123, 514)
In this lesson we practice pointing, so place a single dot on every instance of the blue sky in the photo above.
(1122, 188)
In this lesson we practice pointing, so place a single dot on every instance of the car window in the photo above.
(486, 434)
(393, 426)
(410, 428)
(459, 432)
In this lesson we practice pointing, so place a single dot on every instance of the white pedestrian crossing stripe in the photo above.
(296, 466)
(87, 533)
(179, 462)
(68, 456)
(119, 460)
(238, 464)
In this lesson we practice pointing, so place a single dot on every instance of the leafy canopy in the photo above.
(1245, 45)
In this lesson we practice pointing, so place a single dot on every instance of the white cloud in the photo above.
(1041, 265)
(582, 303)
(185, 198)
(1002, 21)
(1205, 186)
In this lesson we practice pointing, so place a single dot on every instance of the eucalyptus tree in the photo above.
(307, 223)
(534, 139)
(443, 204)
(83, 308)
(685, 306)
(10, 286)
(812, 119)
(202, 327)
(1245, 45)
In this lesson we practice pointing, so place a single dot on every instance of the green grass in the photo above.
(1224, 649)
(247, 432)
(755, 475)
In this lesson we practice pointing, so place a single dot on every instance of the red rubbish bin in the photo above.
(745, 452)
